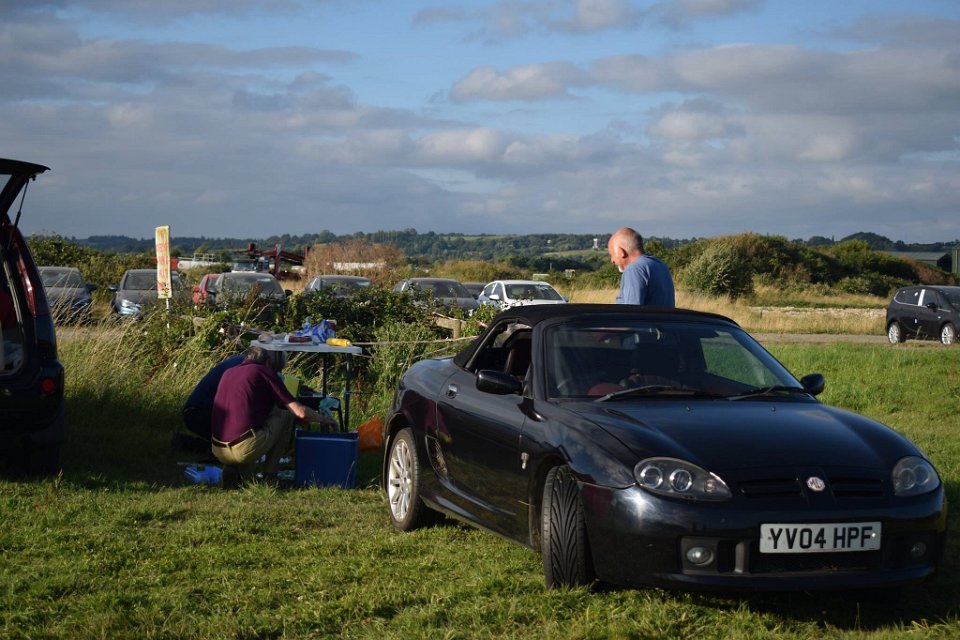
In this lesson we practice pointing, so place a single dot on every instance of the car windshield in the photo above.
(147, 280)
(339, 284)
(267, 283)
(66, 279)
(448, 290)
(532, 292)
(141, 281)
(952, 295)
(664, 359)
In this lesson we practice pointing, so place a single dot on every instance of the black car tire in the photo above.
(403, 478)
(948, 334)
(564, 548)
(31, 460)
(894, 333)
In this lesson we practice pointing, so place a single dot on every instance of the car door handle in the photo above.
(452, 391)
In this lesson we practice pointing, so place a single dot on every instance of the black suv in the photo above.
(924, 311)
(31, 376)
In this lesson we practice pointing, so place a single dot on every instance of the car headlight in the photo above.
(914, 476)
(679, 479)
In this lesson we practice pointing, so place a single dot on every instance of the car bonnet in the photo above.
(723, 434)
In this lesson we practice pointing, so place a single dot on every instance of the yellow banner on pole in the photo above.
(164, 285)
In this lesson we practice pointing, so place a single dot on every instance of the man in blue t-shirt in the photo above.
(197, 408)
(646, 279)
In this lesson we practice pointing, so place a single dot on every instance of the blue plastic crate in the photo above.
(326, 459)
(204, 474)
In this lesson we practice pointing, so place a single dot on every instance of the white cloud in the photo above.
(678, 14)
(459, 147)
(526, 82)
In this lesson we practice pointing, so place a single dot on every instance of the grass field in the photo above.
(770, 312)
(121, 546)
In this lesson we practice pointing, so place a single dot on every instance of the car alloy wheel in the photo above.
(564, 547)
(403, 484)
(948, 335)
(894, 334)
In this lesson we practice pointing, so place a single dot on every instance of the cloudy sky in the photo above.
(682, 118)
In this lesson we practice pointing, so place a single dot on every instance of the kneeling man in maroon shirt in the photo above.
(253, 415)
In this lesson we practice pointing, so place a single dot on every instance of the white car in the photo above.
(504, 294)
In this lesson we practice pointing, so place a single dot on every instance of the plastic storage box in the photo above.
(326, 459)
(204, 474)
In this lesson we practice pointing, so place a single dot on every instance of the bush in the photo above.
(474, 270)
(397, 346)
(857, 258)
(720, 270)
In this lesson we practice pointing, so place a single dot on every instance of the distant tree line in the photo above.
(437, 247)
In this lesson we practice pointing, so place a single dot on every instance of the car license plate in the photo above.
(819, 538)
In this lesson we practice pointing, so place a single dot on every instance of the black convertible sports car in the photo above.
(642, 446)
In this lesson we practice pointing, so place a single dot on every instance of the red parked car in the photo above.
(201, 290)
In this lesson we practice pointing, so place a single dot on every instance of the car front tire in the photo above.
(894, 333)
(948, 334)
(404, 472)
(564, 548)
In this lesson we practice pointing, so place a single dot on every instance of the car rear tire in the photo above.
(564, 547)
(31, 460)
(894, 333)
(948, 334)
(404, 475)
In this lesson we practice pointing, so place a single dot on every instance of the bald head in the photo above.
(625, 246)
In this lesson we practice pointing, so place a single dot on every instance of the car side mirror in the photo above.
(498, 382)
(813, 383)
(91, 287)
(288, 292)
(114, 288)
(494, 296)
(932, 306)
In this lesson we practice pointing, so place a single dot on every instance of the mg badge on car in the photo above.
(816, 484)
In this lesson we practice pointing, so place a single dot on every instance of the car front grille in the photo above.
(768, 488)
(840, 484)
(846, 487)
(813, 562)
(743, 557)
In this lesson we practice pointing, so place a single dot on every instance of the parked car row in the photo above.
(924, 312)
(502, 294)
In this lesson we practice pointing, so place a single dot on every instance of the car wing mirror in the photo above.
(91, 287)
(494, 296)
(813, 383)
(113, 287)
(932, 306)
(288, 292)
(498, 382)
